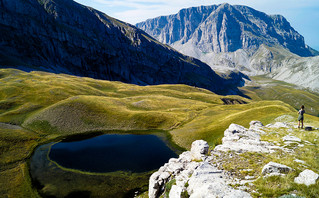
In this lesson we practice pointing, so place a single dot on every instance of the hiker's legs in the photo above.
(301, 123)
(298, 124)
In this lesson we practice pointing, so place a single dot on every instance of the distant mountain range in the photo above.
(62, 36)
(235, 37)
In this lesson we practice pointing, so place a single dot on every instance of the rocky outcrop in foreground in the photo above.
(200, 173)
(62, 36)
(192, 173)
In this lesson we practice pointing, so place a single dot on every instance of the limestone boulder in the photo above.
(199, 149)
(273, 168)
(307, 177)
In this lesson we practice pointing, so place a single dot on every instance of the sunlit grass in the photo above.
(269, 89)
(52, 106)
(16, 145)
(211, 123)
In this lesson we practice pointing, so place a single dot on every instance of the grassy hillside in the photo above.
(16, 145)
(211, 123)
(262, 88)
(50, 106)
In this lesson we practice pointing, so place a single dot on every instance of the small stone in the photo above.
(291, 138)
(307, 177)
(299, 161)
(249, 177)
(256, 123)
(275, 168)
(278, 125)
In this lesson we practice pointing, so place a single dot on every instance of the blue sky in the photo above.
(303, 15)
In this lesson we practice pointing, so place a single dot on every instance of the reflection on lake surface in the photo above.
(114, 165)
(109, 153)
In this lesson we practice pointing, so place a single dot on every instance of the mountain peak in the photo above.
(236, 37)
(223, 8)
(226, 5)
(246, 29)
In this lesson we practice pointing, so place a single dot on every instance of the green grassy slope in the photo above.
(50, 106)
(263, 88)
(211, 123)
(16, 145)
(50, 103)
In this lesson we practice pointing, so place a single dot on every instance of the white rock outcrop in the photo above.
(239, 139)
(307, 177)
(207, 181)
(175, 191)
(180, 169)
(273, 168)
(195, 177)
(199, 175)
(199, 149)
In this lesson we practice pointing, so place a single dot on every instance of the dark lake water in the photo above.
(113, 152)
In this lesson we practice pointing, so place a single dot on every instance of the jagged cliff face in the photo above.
(64, 36)
(226, 28)
(239, 38)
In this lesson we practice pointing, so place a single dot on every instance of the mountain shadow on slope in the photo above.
(62, 36)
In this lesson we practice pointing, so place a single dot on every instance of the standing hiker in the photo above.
(300, 117)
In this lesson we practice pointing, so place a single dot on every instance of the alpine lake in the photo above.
(105, 164)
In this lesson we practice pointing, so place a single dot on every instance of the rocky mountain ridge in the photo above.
(63, 36)
(203, 173)
(226, 28)
(234, 37)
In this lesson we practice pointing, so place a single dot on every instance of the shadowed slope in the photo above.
(64, 36)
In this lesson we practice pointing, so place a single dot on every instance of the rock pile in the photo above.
(194, 175)
(239, 139)
(197, 174)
